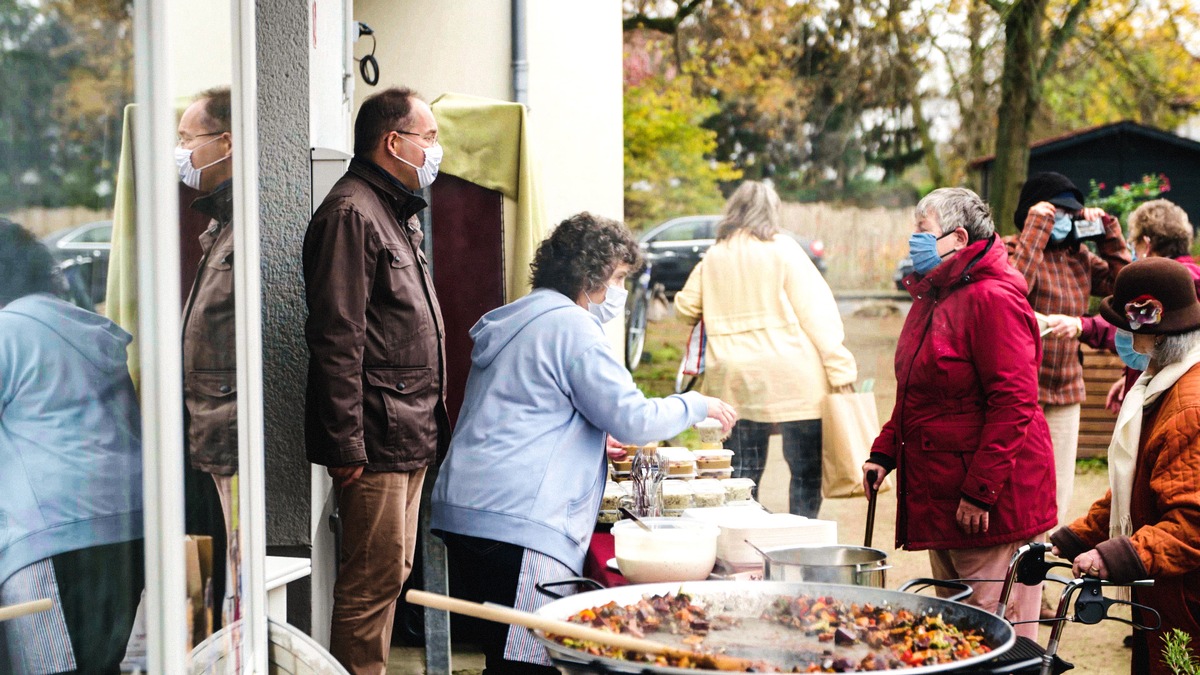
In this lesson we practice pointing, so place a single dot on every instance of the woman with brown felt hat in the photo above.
(1148, 525)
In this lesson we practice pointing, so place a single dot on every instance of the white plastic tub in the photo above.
(676, 549)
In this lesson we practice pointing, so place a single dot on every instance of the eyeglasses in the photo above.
(429, 138)
(189, 139)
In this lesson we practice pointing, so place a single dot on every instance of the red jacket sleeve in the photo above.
(1004, 348)
(1098, 333)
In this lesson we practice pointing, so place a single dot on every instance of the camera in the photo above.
(1086, 230)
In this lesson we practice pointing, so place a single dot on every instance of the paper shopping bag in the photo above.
(849, 425)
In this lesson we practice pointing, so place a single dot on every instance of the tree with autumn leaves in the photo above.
(824, 97)
(66, 74)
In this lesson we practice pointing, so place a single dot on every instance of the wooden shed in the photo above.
(1113, 154)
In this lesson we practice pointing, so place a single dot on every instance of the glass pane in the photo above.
(71, 527)
(200, 39)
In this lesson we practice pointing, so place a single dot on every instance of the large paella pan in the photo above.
(734, 625)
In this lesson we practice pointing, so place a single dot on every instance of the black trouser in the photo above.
(100, 588)
(801, 449)
(483, 570)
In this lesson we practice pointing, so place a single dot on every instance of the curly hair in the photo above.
(1165, 224)
(25, 264)
(581, 254)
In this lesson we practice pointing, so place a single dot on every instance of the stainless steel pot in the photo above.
(851, 565)
(746, 600)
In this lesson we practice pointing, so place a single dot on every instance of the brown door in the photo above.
(468, 269)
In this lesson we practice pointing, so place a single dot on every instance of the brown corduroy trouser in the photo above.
(379, 530)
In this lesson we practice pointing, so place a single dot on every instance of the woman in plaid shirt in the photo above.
(1062, 272)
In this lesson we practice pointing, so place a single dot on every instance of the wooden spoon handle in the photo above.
(24, 608)
(533, 621)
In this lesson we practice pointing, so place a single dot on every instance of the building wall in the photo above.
(575, 101)
(201, 45)
(329, 93)
(437, 47)
(574, 53)
(284, 35)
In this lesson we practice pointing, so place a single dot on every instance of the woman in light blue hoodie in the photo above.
(70, 473)
(517, 496)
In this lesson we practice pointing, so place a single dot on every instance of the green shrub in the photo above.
(1178, 655)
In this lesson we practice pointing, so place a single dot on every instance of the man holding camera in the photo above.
(1062, 272)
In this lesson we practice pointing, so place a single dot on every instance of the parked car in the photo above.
(673, 248)
(82, 256)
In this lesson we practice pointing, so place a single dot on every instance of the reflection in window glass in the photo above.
(71, 529)
(71, 489)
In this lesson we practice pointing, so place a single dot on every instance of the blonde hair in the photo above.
(1165, 224)
(752, 208)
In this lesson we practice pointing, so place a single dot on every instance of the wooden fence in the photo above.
(862, 246)
(1100, 370)
(43, 221)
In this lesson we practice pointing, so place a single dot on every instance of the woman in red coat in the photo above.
(967, 437)
(1148, 525)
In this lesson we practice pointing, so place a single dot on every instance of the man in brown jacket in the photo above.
(375, 414)
(203, 158)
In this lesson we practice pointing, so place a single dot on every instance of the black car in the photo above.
(673, 248)
(82, 256)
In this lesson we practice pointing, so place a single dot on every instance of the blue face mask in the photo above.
(1132, 358)
(1062, 226)
(922, 248)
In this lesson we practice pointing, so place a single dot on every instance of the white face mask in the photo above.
(188, 174)
(427, 172)
(613, 304)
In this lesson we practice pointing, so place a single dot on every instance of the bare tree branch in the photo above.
(1002, 8)
(1060, 37)
(663, 24)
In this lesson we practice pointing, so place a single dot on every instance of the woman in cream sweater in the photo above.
(774, 340)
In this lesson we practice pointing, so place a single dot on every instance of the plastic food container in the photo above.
(613, 494)
(680, 461)
(713, 459)
(707, 493)
(677, 495)
(675, 549)
(608, 517)
(738, 489)
(710, 431)
(716, 473)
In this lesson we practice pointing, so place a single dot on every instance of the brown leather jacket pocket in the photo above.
(395, 407)
(211, 400)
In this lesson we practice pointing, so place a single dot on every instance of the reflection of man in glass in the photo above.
(209, 360)
(375, 413)
(70, 473)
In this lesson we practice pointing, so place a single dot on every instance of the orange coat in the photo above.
(1165, 512)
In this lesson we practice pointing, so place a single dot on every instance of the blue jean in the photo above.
(801, 450)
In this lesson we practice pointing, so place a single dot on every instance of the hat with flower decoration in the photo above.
(1156, 296)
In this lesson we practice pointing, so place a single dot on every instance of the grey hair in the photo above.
(958, 207)
(753, 208)
(1174, 348)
